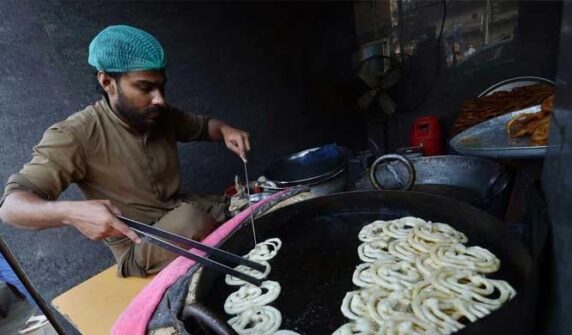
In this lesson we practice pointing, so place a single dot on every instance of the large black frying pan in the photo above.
(319, 254)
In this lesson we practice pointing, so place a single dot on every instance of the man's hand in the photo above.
(236, 140)
(96, 219)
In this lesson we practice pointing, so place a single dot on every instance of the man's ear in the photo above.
(107, 82)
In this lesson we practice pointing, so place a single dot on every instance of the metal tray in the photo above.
(509, 84)
(490, 139)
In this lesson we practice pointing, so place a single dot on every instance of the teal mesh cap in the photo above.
(124, 48)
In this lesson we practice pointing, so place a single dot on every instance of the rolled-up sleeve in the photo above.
(189, 127)
(58, 160)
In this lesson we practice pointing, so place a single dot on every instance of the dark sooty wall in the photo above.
(254, 65)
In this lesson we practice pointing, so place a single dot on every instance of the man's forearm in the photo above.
(27, 210)
(214, 130)
(95, 219)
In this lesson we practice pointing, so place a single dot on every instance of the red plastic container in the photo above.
(231, 190)
(427, 133)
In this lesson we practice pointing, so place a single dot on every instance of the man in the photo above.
(122, 153)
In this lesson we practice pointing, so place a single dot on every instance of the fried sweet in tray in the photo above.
(475, 111)
(535, 125)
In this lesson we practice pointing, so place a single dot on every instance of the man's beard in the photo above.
(147, 119)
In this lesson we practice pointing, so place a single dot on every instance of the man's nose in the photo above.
(158, 99)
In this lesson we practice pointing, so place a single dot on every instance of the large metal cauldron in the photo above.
(477, 181)
(319, 255)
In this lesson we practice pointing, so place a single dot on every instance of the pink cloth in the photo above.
(134, 319)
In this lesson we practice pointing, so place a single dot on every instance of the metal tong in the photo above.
(161, 238)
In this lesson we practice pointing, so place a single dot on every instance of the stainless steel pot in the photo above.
(477, 181)
(256, 197)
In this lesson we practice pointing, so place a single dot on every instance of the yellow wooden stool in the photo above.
(94, 305)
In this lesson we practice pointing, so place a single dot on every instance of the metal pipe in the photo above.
(28, 285)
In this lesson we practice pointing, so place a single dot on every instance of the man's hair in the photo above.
(115, 75)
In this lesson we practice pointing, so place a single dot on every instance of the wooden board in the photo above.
(94, 305)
